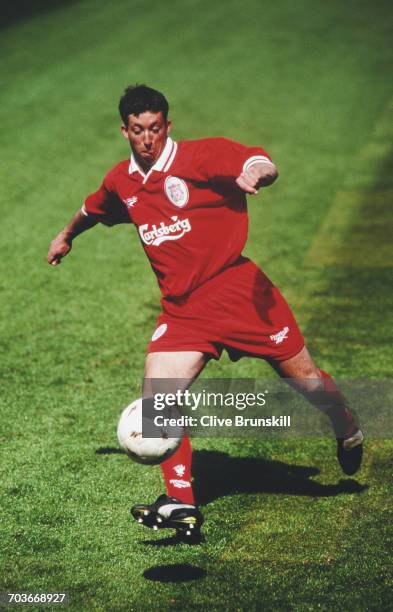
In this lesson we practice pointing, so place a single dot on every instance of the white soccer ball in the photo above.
(147, 450)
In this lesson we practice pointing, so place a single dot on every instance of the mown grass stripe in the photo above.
(357, 229)
(356, 232)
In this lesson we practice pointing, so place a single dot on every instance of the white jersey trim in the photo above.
(172, 157)
(256, 159)
(84, 211)
(162, 164)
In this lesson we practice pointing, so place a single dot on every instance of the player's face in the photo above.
(147, 134)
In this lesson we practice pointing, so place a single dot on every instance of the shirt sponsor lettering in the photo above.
(156, 235)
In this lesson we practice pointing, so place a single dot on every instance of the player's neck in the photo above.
(145, 167)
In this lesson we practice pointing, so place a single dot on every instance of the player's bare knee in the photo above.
(313, 384)
(309, 380)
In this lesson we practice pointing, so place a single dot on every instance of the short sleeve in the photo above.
(221, 158)
(106, 206)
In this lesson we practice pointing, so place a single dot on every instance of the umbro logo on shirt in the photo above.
(156, 235)
(130, 202)
(280, 336)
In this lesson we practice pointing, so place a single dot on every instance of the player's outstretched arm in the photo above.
(261, 174)
(62, 244)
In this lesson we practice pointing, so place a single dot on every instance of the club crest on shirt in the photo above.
(176, 191)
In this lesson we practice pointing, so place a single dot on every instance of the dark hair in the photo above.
(139, 98)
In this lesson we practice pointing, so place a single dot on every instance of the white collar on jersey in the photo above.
(162, 164)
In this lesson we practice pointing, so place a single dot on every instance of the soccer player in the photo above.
(188, 202)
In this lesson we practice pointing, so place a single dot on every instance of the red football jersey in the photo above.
(190, 214)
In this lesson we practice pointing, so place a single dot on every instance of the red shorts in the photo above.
(238, 310)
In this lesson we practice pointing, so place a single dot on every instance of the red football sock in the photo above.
(177, 472)
(336, 408)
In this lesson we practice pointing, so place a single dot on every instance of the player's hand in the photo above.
(256, 176)
(249, 180)
(59, 248)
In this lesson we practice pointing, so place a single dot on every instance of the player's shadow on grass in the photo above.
(109, 450)
(180, 572)
(216, 474)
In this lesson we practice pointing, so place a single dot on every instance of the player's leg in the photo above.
(175, 509)
(176, 370)
(320, 389)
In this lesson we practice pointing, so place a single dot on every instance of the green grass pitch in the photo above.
(309, 80)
